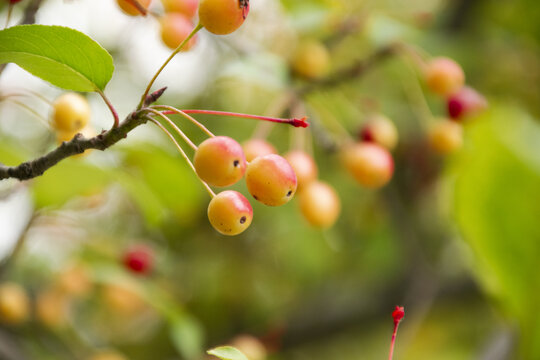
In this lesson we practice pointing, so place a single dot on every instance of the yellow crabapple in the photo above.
(319, 204)
(304, 167)
(129, 9)
(175, 28)
(14, 304)
(381, 130)
(444, 76)
(230, 213)
(70, 112)
(222, 17)
(257, 147)
(186, 7)
(370, 164)
(446, 136)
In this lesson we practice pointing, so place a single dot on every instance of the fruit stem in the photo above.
(173, 54)
(111, 107)
(41, 119)
(139, 7)
(294, 122)
(173, 110)
(27, 92)
(398, 315)
(184, 155)
(180, 132)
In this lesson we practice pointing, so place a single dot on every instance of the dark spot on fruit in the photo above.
(236, 163)
(255, 197)
(289, 193)
(243, 219)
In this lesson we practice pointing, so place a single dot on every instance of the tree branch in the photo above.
(77, 145)
(350, 73)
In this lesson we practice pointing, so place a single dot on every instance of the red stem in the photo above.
(398, 315)
(393, 341)
(294, 122)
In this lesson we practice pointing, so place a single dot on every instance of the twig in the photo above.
(77, 145)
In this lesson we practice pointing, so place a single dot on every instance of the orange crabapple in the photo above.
(14, 304)
(319, 204)
(222, 17)
(380, 130)
(230, 213)
(70, 112)
(446, 136)
(304, 167)
(370, 164)
(186, 7)
(129, 9)
(175, 28)
(271, 180)
(220, 161)
(257, 147)
(250, 346)
(444, 76)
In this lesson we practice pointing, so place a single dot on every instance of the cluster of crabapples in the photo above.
(177, 19)
(444, 77)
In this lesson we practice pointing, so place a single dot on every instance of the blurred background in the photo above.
(455, 239)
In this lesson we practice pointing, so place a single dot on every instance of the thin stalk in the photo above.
(276, 108)
(173, 110)
(41, 119)
(176, 128)
(10, 10)
(111, 107)
(398, 316)
(184, 155)
(294, 122)
(139, 7)
(26, 92)
(173, 54)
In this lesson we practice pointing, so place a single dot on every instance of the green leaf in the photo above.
(227, 353)
(187, 336)
(62, 56)
(497, 204)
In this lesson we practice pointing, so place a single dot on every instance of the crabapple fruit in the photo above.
(319, 204)
(311, 60)
(220, 161)
(230, 213)
(186, 7)
(129, 9)
(222, 17)
(139, 259)
(370, 164)
(250, 346)
(271, 180)
(257, 147)
(108, 355)
(75, 281)
(465, 102)
(14, 304)
(174, 29)
(446, 136)
(70, 112)
(304, 167)
(381, 130)
(52, 308)
(444, 76)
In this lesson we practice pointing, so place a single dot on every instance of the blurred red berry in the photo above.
(139, 259)
(465, 102)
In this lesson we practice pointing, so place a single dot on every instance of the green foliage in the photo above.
(227, 353)
(497, 207)
(62, 56)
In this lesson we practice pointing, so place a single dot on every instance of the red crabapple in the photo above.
(220, 161)
(139, 259)
(174, 29)
(185, 7)
(222, 17)
(446, 136)
(304, 167)
(257, 147)
(381, 130)
(444, 76)
(370, 164)
(319, 204)
(271, 180)
(70, 112)
(230, 213)
(465, 102)
(129, 9)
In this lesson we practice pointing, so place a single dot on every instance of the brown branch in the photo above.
(77, 145)
(350, 73)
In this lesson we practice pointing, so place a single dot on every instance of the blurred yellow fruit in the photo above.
(14, 304)
(252, 347)
(319, 204)
(75, 281)
(70, 112)
(446, 137)
(311, 59)
(52, 308)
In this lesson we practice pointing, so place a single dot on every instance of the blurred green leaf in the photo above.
(497, 204)
(227, 353)
(62, 56)
(68, 179)
(187, 336)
